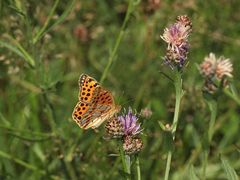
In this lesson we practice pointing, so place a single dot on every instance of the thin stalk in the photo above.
(52, 121)
(232, 96)
(178, 90)
(205, 162)
(41, 31)
(126, 161)
(167, 170)
(138, 168)
(118, 40)
(21, 162)
(213, 109)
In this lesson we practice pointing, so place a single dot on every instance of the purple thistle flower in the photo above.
(127, 128)
(176, 36)
(130, 125)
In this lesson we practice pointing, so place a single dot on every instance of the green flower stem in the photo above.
(126, 162)
(178, 89)
(138, 168)
(233, 96)
(205, 162)
(46, 24)
(213, 108)
(212, 104)
(119, 38)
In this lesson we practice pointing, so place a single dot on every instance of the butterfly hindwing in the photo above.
(79, 112)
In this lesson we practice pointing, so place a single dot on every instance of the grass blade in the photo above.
(19, 50)
(48, 27)
(192, 174)
(11, 48)
(230, 172)
(42, 31)
(20, 162)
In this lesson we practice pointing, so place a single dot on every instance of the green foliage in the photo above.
(230, 172)
(46, 45)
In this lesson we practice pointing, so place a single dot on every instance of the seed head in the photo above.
(215, 71)
(132, 145)
(146, 112)
(114, 128)
(213, 68)
(224, 68)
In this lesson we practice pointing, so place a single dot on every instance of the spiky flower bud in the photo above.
(132, 145)
(184, 19)
(114, 128)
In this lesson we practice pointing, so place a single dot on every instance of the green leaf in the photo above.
(12, 48)
(230, 172)
(192, 174)
(19, 50)
(4, 120)
(20, 162)
(47, 27)
(17, 10)
(233, 89)
(168, 143)
(38, 151)
(42, 31)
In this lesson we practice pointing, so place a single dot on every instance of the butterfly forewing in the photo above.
(87, 88)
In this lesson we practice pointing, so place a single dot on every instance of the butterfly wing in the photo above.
(87, 86)
(103, 108)
(81, 110)
(95, 104)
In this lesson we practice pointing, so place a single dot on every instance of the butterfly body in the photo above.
(95, 105)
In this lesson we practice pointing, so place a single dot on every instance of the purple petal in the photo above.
(131, 127)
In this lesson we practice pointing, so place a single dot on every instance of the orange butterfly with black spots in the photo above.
(95, 105)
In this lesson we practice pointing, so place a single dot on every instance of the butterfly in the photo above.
(95, 104)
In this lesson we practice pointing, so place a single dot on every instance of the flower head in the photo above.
(123, 125)
(127, 128)
(215, 70)
(146, 112)
(130, 124)
(208, 66)
(132, 145)
(224, 68)
(176, 36)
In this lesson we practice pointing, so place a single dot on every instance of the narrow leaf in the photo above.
(20, 162)
(230, 172)
(19, 50)
(42, 31)
(58, 21)
(11, 48)
(192, 174)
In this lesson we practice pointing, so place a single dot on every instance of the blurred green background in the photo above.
(45, 46)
